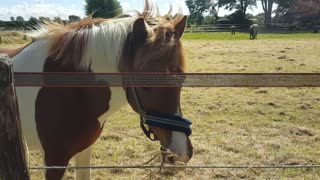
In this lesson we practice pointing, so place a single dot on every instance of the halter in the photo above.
(161, 120)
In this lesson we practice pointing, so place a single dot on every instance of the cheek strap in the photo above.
(147, 131)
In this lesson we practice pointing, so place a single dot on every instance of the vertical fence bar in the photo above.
(12, 151)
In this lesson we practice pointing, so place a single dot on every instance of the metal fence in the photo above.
(274, 28)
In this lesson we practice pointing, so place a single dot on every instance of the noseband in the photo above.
(161, 120)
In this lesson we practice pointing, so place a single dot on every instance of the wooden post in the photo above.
(12, 151)
(25, 38)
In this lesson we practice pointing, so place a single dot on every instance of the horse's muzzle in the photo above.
(169, 157)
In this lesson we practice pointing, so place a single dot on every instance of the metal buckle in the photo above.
(147, 131)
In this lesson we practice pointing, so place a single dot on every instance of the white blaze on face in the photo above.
(179, 144)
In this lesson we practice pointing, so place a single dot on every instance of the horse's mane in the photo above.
(150, 13)
(70, 42)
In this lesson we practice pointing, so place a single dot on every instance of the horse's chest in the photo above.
(66, 115)
(69, 116)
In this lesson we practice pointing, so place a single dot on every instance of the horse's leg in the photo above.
(82, 159)
(56, 159)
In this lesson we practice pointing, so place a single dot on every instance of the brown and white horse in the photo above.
(65, 122)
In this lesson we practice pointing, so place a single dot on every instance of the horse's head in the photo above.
(154, 46)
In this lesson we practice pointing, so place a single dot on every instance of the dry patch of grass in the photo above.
(10, 38)
(289, 55)
(231, 126)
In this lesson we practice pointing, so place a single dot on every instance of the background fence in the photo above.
(275, 28)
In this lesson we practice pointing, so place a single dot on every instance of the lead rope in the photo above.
(164, 151)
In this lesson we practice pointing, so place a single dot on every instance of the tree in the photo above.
(259, 18)
(103, 8)
(19, 19)
(44, 19)
(57, 19)
(33, 21)
(299, 11)
(267, 6)
(74, 18)
(240, 5)
(283, 6)
(197, 8)
(12, 19)
(238, 18)
(209, 20)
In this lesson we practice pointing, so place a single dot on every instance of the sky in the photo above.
(64, 8)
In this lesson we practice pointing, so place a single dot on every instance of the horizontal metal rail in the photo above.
(183, 167)
(167, 80)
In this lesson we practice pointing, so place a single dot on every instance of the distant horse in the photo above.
(254, 31)
(66, 122)
(233, 30)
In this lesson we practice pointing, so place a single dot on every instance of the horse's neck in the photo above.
(32, 58)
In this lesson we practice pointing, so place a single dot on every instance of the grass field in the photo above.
(231, 126)
(12, 37)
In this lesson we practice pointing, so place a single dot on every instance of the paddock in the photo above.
(232, 126)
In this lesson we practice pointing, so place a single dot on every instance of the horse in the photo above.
(254, 31)
(233, 30)
(65, 122)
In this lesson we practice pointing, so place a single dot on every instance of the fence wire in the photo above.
(167, 80)
(182, 167)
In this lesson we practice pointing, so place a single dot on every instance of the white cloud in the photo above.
(39, 8)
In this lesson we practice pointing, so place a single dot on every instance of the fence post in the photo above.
(25, 37)
(12, 151)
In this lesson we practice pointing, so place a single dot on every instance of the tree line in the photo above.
(93, 8)
(202, 12)
(20, 23)
(287, 11)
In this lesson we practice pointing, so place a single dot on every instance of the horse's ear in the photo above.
(139, 33)
(180, 26)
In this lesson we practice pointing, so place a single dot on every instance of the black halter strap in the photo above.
(166, 121)
(147, 131)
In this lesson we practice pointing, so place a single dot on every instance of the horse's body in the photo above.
(254, 31)
(233, 30)
(65, 122)
(75, 102)
(81, 126)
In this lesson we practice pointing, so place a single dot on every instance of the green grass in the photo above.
(245, 36)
